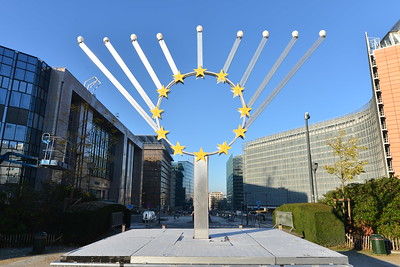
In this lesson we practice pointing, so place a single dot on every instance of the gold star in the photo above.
(163, 92)
(178, 77)
(221, 76)
(200, 71)
(162, 133)
(244, 111)
(200, 155)
(240, 132)
(178, 148)
(237, 90)
(156, 112)
(223, 148)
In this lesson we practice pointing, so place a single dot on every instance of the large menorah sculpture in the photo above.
(201, 227)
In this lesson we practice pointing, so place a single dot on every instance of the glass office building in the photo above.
(188, 180)
(98, 154)
(24, 86)
(276, 167)
(157, 169)
(234, 182)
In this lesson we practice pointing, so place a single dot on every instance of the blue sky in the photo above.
(333, 82)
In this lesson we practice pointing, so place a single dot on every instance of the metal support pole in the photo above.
(247, 210)
(315, 167)
(241, 207)
(306, 118)
(200, 201)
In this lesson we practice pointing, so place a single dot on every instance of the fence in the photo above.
(363, 242)
(25, 240)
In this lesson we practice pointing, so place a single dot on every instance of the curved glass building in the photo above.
(276, 169)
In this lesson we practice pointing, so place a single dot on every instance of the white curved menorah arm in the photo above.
(232, 53)
(274, 68)
(128, 73)
(199, 45)
(145, 61)
(278, 88)
(167, 54)
(115, 82)
(253, 61)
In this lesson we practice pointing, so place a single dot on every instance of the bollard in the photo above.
(123, 228)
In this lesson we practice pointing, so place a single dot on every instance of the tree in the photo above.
(348, 164)
(375, 206)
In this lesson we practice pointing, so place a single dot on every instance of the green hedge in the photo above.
(317, 223)
(88, 221)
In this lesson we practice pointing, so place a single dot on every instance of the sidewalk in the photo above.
(21, 257)
(365, 258)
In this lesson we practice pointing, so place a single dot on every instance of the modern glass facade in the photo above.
(276, 166)
(188, 180)
(234, 182)
(98, 153)
(102, 156)
(156, 173)
(102, 150)
(24, 86)
(178, 189)
(184, 179)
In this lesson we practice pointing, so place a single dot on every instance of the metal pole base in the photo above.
(200, 201)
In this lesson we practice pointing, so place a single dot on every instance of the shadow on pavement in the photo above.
(9, 253)
(358, 259)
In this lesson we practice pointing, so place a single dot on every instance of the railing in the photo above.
(25, 240)
(364, 242)
(284, 218)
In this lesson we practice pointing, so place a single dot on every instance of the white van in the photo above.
(149, 216)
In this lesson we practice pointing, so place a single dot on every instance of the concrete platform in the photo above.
(226, 247)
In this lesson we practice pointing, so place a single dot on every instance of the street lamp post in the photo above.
(306, 118)
(247, 209)
(242, 212)
(315, 167)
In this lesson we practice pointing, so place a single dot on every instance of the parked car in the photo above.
(148, 216)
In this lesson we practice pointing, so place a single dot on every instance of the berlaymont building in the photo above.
(276, 169)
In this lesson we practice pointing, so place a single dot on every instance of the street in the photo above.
(170, 221)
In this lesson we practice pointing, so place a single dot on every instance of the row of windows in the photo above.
(6, 52)
(22, 137)
(22, 117)
(102, 151)
(24, 82)
(6, 60)
(279, 163)
(4, 82)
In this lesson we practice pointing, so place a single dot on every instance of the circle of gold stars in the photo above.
(221, 77)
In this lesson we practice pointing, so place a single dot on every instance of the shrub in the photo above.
(317, 223)
(375, 206)
(88, 221)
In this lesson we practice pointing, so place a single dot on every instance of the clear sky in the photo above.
(201, 113)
